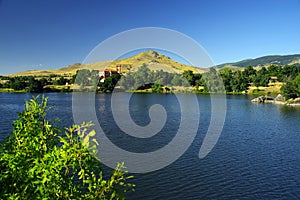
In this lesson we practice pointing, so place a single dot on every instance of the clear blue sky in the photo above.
(40, 34)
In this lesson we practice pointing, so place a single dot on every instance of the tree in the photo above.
(61, 81)
(239, 82)
(82, 77)
(249, 73)
(261, 78)
(290, 71)
(17, 83)
(35, 86)
(72, 81)
(6, 84)
(109, 83)
(197, 77)
(189, 76)
(44, 81)
(212, 82)
(296, 82)
(192, 78)
(157, 88)
(142, 76)
(127, 82)
(42, 161)
(274, 70)
(289, 90)
(94, 79)
(176, 81)
(226, 75)
(292, 88)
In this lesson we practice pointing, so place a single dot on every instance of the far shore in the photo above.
(174, 90)
(178, 90)
(261, 95)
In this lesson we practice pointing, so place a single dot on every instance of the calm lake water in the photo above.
(257, 155)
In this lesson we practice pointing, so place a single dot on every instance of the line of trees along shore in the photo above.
(234, 81)
(33, 84)
(223, 80)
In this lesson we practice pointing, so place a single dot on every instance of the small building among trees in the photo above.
(273, 79)
(109, 72)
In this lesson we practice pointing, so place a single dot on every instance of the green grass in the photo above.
(12, 91)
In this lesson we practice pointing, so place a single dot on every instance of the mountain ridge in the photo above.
(264, 61)
(154, 60)
(157, 61)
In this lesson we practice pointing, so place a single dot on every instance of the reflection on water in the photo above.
(284, 109)
(256, 157)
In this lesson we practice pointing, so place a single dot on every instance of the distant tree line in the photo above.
(33, 84)
(144, 78)
(90, 79)
(237, 81)
(141, 79)
(223, 80)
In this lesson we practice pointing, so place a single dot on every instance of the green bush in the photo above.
(42, 161)
(157, 88)
(292, 88)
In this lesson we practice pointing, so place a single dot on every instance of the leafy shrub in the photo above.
(292, 88)
(42, 161)
(157, 88)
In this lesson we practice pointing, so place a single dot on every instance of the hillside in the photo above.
(265, 61)
(154, 60)
(158, 61)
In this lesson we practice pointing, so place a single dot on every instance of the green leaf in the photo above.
(92, 133)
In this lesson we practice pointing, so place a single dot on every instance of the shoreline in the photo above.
(186, 90)
(279, 100)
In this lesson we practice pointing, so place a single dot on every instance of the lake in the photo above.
(256, 157)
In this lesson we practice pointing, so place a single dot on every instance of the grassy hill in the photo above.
(265, 61)
(158, 61)
(154, 60)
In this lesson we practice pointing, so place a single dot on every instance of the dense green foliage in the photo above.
(157, 88)
(109, 83)
(90, 79)
(238, 81)
(292, 88)
(144, 78)
(225, 79)
(213, 81)
(32, 84)
(85, 77)
(42, 161)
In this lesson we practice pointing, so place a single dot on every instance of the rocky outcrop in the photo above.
(263, 99)
(279, 99)
(260, 99)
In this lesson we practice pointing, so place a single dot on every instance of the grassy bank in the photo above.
(272, 89)
(8, 90)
